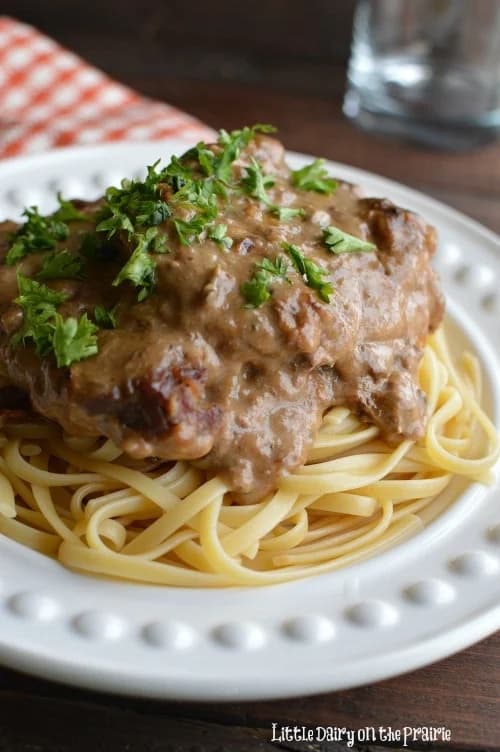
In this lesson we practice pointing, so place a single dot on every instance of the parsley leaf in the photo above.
(114, 218)
(37, 326)
(33, 293)
(189, 230)
(284, 213)
(256, 291)
(39, 308)
(138, 208)
(217, 233)
(152, 213)
(199, 196)
(140, 268)
(338, 241)
(135, 204)
(196, 196)
(310, 272)
(278, 267)
(67, 212)
(70, 340)
(314, 177)
(217, 163)
(158, 243)
(73, 339)
(232, 145)
(205, 157)
(104, 317)
(61, 265)
(36, 234)
(177, 172)
(255, 183)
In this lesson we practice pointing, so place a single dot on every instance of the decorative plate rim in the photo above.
(334, 631)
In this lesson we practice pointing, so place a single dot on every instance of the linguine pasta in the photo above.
(82, 502)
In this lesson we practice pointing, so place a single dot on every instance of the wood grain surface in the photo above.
(299, 90)
(460, 693)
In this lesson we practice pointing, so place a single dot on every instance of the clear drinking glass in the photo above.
(428, 70)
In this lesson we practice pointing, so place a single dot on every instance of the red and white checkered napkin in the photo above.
(50, 97)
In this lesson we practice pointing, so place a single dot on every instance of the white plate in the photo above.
(414, 604)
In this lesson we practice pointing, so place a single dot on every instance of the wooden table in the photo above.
(461, 692)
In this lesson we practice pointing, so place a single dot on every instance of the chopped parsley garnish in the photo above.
(67, 211)
(138, 209)
(198, 194)
(73, 339)
(278, 267)
(198, 197)
(177, 173)
(217, 163)
(39, 308)
(206, 158)
(61, 265)
(217, 233)
(338, 241)
(189, 230)
(232, 145)
(314, 177)
(70, 340)
(198, 200)
(257, 290)
(284, 213)
(157, 241)
(36, 234)
(186, 195)
(311, 273)
(33, 294)
(255, 183)
(134, 205)
(104, 317)
(115, 218)
(140, 268)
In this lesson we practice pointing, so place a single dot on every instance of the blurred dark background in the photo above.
(295, 45)
(232, 62)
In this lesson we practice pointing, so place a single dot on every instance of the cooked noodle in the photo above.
(82, 502)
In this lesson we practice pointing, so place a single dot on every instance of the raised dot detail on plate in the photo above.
(104, 180)
(430, 592)
(462, 274)
(239, 636)
(483, 276)
(33, 606)
(493, 534)
(310, 628)
(69, 187)
(172, 635)
(97, 625)
(474, 564)
(489, 302)
(449, 253)
(372, 613)
(20, 198)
